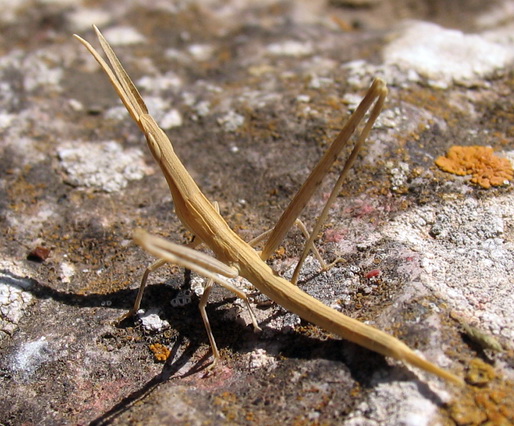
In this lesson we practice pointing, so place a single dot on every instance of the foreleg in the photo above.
(202, 264)
(152, 268)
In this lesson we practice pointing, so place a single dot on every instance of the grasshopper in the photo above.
(234, 257)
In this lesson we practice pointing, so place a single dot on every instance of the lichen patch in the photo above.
(160, 352)
(486, 168)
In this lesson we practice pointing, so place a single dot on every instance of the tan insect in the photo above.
(235, 257)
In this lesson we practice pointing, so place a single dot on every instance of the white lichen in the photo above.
(151, 321)
(29, 357)
(466, 261)
(123, 36)
(171, 119)
(445, 56)
(290, 48)
(103, 166)
(14, 297)
(231, 121)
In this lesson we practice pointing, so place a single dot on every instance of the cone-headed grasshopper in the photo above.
(233, 256)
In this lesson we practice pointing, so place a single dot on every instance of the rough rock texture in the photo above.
(251, 93)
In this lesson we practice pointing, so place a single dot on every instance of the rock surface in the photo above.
(251, 94)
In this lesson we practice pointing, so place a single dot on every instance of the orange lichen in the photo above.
(479, 373)
(479, 161)
(160, 352)
(488, 400)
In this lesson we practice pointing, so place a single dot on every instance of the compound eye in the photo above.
(154, 146)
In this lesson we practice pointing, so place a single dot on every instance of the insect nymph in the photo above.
(234, 257)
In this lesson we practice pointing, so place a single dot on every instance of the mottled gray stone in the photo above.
(250, 94)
